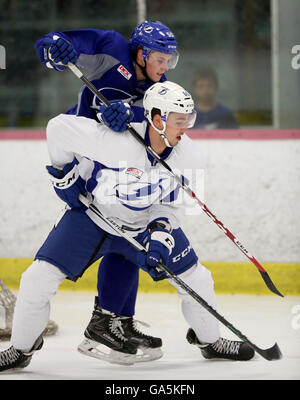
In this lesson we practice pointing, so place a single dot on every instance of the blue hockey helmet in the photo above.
(155, 36)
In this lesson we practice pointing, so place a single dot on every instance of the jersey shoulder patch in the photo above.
(123, 71)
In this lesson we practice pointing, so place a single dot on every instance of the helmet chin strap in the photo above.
(162, 133)
(165, 140)
(144, 71)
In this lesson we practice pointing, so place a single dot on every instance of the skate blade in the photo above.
(94, 349)
(148, 354)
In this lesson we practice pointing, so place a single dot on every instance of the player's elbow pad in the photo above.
(52, 128)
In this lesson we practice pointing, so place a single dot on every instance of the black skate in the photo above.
(222, 348)
(149, 345)
(13, 358)
(105, 328)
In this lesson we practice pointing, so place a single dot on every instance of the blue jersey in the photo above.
(106, 59)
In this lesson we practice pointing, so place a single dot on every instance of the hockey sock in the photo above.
(117, 285)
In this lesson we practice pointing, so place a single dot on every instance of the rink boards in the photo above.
(251, 184)
(229, 277)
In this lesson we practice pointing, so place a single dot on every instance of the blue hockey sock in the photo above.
(117, 285)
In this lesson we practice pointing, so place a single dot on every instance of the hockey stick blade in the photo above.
(269, 283)
(271, 354)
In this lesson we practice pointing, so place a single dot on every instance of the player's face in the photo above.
(205, 90)
(157, 64)
(177, 124)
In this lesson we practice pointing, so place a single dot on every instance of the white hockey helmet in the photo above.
(168, 97)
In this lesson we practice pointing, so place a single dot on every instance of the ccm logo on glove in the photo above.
(68, 183)
(67, 180)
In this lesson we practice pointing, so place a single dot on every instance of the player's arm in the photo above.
(163, 218)
(64, 172)
(56, 49)
(68, 135)
(159, 245)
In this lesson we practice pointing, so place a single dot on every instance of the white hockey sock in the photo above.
(38, 285)
(203, 323)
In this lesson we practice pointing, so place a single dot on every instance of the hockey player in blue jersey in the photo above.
(122, 71)
(126, 184)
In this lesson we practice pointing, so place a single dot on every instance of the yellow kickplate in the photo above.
(229, 277)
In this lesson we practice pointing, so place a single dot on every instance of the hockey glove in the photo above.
(58, 51)
(117, 116)
(160, 244)
(67, 183)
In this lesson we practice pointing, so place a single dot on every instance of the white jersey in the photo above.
(125, 183)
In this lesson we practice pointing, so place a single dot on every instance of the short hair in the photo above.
(206, 73)
(155, 111)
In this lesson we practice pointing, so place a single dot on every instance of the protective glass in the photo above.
(181, 121)
(169, 61)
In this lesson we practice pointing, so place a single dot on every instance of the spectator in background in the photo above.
(210, 113)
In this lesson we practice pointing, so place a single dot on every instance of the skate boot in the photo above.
(149, 345)
(105, 333)
(222, 348)
(13, 358)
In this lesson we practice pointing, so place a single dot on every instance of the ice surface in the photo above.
(263, 319)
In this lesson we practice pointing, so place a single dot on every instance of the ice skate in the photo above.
(105, 339)
(13, 358)
(150, 346)
(222, 348)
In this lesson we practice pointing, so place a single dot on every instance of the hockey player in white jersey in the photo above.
(138, 194)
(122, 71)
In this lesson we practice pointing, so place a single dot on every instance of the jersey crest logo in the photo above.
(123, 71)
(137, 173)
(139, 195)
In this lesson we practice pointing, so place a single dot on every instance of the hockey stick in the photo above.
(272, 353)
(227, 232)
